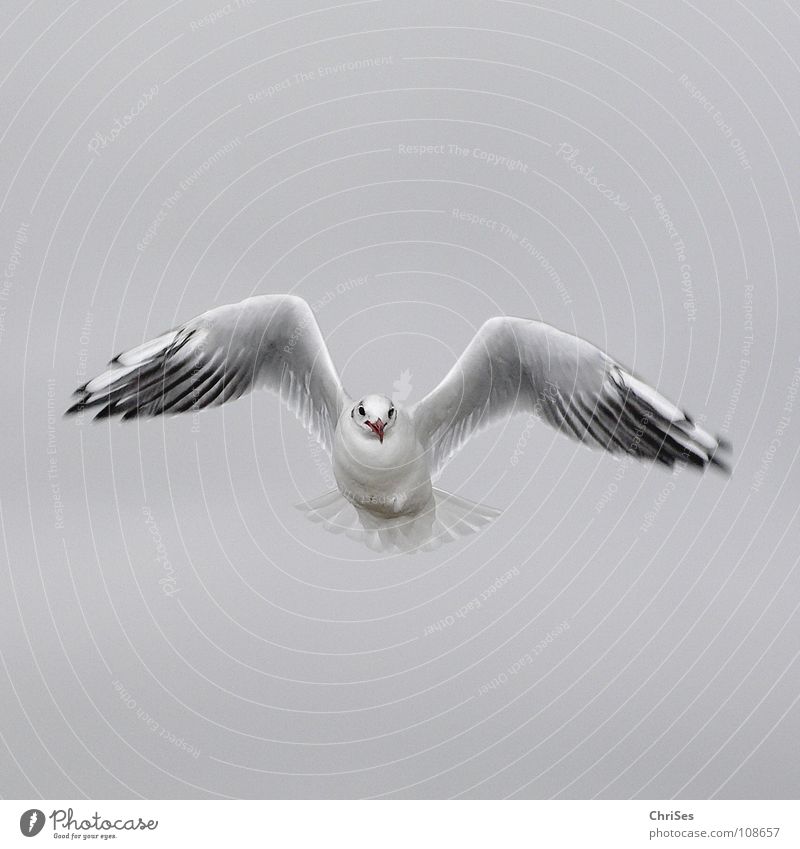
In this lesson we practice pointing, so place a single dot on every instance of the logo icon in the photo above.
(31, 822)
(402, 387)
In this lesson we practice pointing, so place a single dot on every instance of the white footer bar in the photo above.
(402, 824)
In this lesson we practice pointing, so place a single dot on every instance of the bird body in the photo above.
(388, 478)
(385, 457)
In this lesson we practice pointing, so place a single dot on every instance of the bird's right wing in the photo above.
(517, 365)
(270, 341)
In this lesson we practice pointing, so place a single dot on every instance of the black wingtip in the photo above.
(105, 412)
(77, 407)
(723, 446)
(720, 464)
(691, 459)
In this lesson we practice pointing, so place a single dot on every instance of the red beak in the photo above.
(377, 428)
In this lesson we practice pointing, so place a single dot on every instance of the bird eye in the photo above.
(361, 411)
(391, 412)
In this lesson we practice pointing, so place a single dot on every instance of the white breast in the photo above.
(389, 478)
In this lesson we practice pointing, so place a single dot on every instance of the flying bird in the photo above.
(386, 457)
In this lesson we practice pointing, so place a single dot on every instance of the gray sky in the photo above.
(172, 626)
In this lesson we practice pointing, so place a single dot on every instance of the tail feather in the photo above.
(449, 517)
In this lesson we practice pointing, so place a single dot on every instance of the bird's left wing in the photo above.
(516, 365)
(270, 341)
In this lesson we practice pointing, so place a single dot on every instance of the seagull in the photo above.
(386, 457)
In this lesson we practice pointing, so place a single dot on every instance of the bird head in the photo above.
(375, 414)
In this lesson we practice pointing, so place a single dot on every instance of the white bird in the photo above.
(385, 458)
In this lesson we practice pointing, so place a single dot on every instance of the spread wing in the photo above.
(270, 341)
(516, 365)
